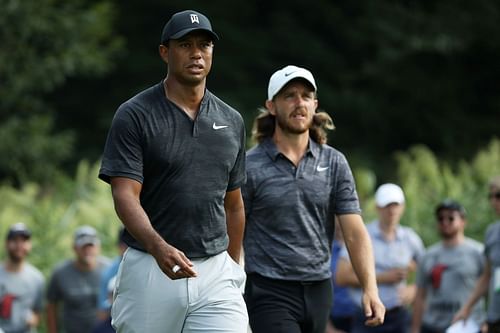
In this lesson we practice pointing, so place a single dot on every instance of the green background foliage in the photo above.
(412, 87)
(54, 214)
(391, 74)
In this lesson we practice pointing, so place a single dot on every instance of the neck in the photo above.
(453, 241)
(85, 266)
(14, 266)
(388, 229)
(293, 146)
(187, 98)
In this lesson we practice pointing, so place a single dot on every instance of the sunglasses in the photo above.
(495, 195)
(443, 219)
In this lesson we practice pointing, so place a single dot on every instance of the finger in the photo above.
(374, 322)
(184, 269)
(377, 317)
(368, 310)
(176, 268)
(185, 259)
(176, 274)
(188, 272)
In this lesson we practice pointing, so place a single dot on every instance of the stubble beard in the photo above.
(286, 127)
(16, 259)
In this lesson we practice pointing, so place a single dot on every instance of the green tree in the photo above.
(427, 181)
(43, 43)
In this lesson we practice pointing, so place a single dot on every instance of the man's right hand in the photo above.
(173, 262)
(462, 314)
(374, 309)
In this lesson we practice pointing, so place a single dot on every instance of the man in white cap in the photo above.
(21, 284)
(74, 285)
(397, 250)
(296, 185)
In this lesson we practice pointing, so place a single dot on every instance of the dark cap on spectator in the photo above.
(184, 22)
(452, 205)
(19, 229)
(86, 235)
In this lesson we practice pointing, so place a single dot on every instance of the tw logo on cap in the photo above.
(194, 18)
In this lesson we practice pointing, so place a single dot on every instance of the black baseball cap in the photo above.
(184, 22)
(452, 205)
(19, 229)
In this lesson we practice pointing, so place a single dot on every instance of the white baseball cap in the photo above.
(389, 193)
(281, 77)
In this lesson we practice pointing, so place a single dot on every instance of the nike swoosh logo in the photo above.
(320, 168)
(288, 74)
(216, 127)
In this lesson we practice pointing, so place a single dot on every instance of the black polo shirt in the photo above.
(185, 166)
(290, 210)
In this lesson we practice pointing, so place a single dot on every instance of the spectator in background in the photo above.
(74, 285)
(447, 273)
(21, 284)
(104, 325)
(104, 304)
(343, 307)
(489, 282)
(397, 250)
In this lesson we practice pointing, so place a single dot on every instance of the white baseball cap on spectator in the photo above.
(389, 193)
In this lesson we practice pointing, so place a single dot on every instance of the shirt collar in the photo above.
(273, 152)
(377, 232)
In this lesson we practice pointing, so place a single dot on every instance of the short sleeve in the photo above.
(53, 289)
(417, 245)
(123, 151)
(346, 197)
(38, 304)
(237, 176)
(420, 279)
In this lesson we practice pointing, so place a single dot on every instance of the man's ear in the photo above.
(163, 51)
(270, 107)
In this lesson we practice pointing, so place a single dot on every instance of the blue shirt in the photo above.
(107, 275)
(389, 254)
(343, 305)
(290, 210)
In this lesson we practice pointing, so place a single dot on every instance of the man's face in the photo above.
(86, 254)
(450, 223)
(294, 107)
(493, 196)
(391, 214)
(189, 58)
(18, 247)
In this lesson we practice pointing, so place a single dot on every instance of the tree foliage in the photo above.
(83, 199)
(428, 180)
(392, 74)
(43, 43)
(54, 215)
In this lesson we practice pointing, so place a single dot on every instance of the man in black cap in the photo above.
(21, 284)
(175, 159)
